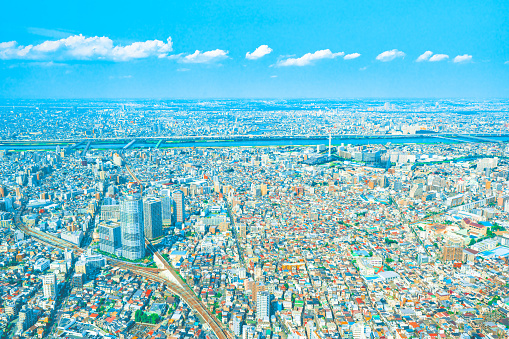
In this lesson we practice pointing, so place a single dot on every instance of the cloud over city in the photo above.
(309, 58)
(259, 52)
(462, 58)
(430, 57)
(390, 55)
(199, 57)
(79, 47)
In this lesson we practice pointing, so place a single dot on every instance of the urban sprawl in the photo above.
(333, 240)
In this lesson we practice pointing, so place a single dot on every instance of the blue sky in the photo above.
(309, 49)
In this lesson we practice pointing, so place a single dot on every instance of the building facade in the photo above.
(110, 236)
(180, 211)
(132, 227)
(153, 218)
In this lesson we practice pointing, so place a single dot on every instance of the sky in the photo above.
(254, 49)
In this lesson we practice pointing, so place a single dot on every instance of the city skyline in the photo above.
(262, 50)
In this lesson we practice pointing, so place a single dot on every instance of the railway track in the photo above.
(183, 291)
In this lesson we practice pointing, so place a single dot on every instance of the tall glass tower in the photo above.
(178, 197)
(132, 227)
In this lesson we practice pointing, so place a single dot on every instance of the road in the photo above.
(235, 235)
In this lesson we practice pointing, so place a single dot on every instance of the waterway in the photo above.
(267, 143)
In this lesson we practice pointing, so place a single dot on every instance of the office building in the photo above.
(110, 236)
(180, 211)
(132, 227)
(263, 306)
(153, 218)
(166, 204)
(49, 286)
(110, 212)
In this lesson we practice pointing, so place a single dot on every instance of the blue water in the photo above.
(265, 143)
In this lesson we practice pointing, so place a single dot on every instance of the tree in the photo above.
(154, 318)
(138, 316)
(471, 242)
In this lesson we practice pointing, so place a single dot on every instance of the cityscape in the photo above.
(377, 238)
(254, 169)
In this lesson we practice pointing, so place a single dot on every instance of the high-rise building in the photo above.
(110, 212)
(77, 280)
(26, 318)
(110, 236)
(263, 306)
(166, 204)
(237, 324)
(132, 227)
(68, 255)
(180, 211)
(49, 286)
(153, 218)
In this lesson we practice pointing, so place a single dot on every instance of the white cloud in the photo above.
(438, 57)
(462, 58)
(206, 57)
(259, 52)
(308, 58)
(506, 63)
(351, 56)
(79, 47)
(390, 55)
(424, 56)
(429, 56)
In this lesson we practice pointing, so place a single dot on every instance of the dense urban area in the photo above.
(334, 240)
(57, 120)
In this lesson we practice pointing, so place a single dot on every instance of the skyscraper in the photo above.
(263, 306)
(153, 219)
(166, 204)
(49, 286)
(180, 211)
(132, 227)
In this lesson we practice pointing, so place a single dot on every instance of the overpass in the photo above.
(481, 139)
(87, 147)
(126, 147)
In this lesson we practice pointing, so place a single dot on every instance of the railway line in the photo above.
(181, 289)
